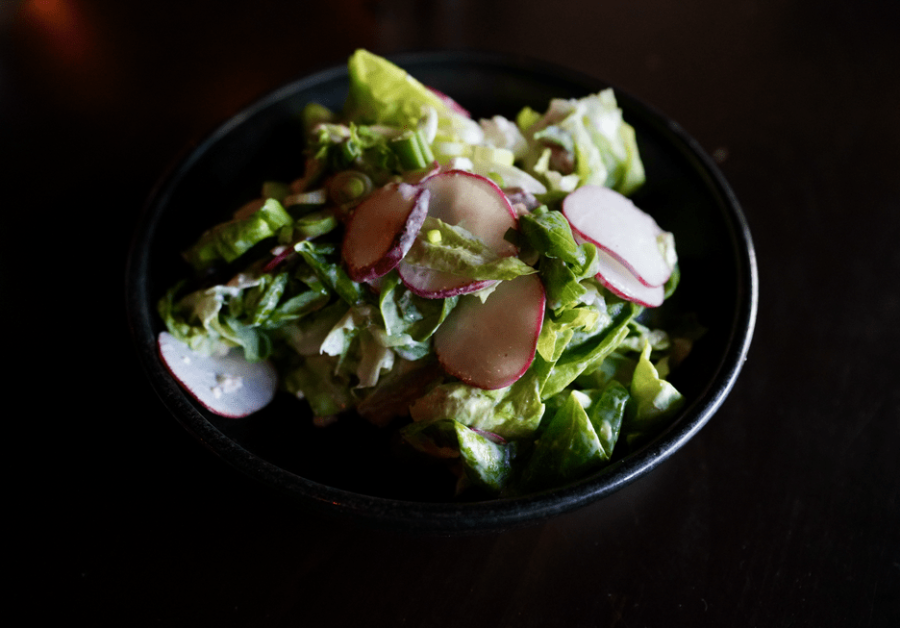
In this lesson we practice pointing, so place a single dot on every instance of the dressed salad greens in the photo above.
(479, 286)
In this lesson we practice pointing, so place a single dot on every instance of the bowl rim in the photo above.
(448, 517)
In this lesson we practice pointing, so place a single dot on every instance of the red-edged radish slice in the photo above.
(415, 177)
(226, 385)
(279, 256)
(491, 344)
(382, 228)
(612, 222)
(619, 280)
(474, 203)
(435, 284)
(454, 106)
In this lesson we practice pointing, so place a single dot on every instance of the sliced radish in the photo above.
(612, 222)
(474, 203)
(226, 385)
(414, 177)
(436, 284)
(382, 228)
(491, 344)
(279, 256)
(452, 104)
(621, 282)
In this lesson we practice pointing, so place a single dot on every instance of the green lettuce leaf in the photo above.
(549, 233)
(506, 176)
(615, 367)
(511, 412)
(246, 312)
(382, 93)
(589, 352)
(565, 264)
(188, 320)
(567, 448)
(228, 241)
(408, 317)
(374, 360)
(484, 463)
(452, 249)
(593, 131)
(606, 413)
(318, 380)
(325, 260)
(656, 400)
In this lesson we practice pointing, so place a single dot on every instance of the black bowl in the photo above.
(347, 469)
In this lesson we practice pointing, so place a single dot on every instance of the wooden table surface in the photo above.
(783, 511)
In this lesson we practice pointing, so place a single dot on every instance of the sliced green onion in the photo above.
(315, 114)
(315, 224)
(313, 197)
(350, 150)
(412, 150)
(349, 186)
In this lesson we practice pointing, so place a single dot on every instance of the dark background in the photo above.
(783, 511)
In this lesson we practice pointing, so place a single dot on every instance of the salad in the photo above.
(482, 287)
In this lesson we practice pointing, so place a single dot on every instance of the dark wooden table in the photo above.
(783, 511)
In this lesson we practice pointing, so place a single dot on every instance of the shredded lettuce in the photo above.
(455, 250)
(228, 241)
(591, 140)
(511, 412)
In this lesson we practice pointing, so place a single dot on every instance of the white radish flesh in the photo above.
(613, 222)
(415, 177)
(474, 203)
(621, 282)
(452, 104)
(436, 284)
(382, 229)
(226, 385)
(491, 344)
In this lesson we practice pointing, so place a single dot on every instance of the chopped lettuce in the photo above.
(606, 413)
(587, 351)
(409, 318)
(656, 399)
(324, 259)
(318, 380)
(511, 412)
(228, 241)
(247, 312)
(587, 137)
(453, 249)
(483, 462)
(566, 449)
(503, 133)
(382, 93)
